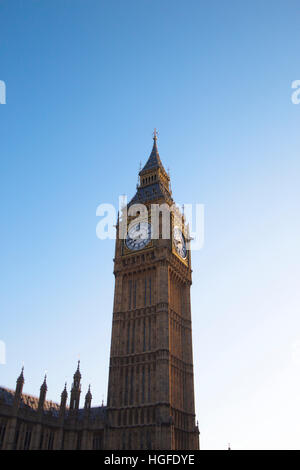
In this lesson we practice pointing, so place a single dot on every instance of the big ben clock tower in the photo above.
(150, 403)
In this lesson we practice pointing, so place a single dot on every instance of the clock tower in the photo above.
(150, 403)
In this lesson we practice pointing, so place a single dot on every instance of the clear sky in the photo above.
(87, 81)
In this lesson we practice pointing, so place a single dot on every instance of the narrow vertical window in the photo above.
(128, 337)
(149, 385)
(129, 294)
(2, 432)
(133, 337)
(145, 294)
(126, 388)
(149, 336)
(137, 396)
(141, 441)
(120, 388)
(144, 334)
(149, 445)
(143, 384)
(150, 293)
(134, 294)
(131, 387)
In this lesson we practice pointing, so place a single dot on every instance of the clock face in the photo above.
(179, 242)
(138, 236)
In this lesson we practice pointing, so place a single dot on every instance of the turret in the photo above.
(75, 390)
(19, 388)
(88, 399)
(63, 401)
(43, 392)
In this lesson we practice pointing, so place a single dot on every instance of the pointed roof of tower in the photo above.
(64, 393)
(154, 160)
(44, 384)
(88, 397)
(159, 189)
(88, 394)
(20, 379)
(77, 373)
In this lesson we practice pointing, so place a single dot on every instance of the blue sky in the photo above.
(87, 81)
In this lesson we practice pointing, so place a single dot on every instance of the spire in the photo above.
(76, 389)
(19, 388)
(154, 182)
(64, 393)
(20, 379)
(43, 392)
(155, 134)
(154, 158)
(88, 398)
(89, 395)
(63, 401)
(77, 375)
(44, 384)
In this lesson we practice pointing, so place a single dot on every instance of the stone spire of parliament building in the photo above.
(150, 402)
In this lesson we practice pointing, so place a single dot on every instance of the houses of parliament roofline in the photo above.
(31, 422)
